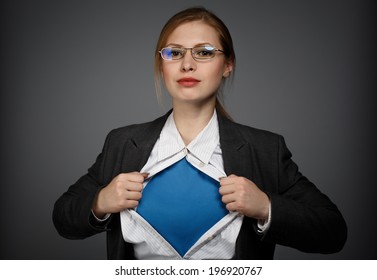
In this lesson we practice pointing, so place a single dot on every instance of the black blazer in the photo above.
(302, 216)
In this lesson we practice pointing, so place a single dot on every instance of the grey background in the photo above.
(73, 70)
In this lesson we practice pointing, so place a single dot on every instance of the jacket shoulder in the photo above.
(138, 130)
(257, 135)
(128, 130)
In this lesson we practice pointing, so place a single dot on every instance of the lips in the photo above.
(188, 82)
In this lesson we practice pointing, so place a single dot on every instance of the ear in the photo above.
(228, 68)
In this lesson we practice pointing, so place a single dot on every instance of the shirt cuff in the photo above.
(104, 219)
(263, 225)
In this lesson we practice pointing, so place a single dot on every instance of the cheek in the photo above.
(218, 69)
(217, 73)
(167, 73)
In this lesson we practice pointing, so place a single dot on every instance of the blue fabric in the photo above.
(182, 203)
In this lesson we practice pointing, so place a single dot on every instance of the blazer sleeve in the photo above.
(302, 216)
(72, 215)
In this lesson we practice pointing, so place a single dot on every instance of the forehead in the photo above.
(193, 33)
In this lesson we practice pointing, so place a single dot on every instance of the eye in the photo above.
(171, 53)
(204, 52)
(176, 53)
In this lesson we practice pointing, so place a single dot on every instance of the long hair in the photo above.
(188, 15)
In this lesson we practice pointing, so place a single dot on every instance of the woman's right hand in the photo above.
(123, 192)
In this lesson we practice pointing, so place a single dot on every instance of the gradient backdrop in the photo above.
(73, 70)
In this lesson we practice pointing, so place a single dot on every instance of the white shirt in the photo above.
(204, 153)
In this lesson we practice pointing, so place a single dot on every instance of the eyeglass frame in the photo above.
(192, 53)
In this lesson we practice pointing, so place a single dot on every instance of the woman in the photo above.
(193, 184)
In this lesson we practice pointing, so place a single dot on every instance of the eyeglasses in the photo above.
(198, 53)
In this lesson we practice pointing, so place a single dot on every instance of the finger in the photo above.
(135, 177)
(232, 207)
(132, 195)
(227, 189)
(228, 180)
(132, 204)
(136, 187)
(145, 175)
(229, 198)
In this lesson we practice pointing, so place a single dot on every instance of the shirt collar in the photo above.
(202, 147)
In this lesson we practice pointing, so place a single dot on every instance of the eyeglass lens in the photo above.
(200, 53)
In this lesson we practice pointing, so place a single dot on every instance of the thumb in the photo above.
(145, 175)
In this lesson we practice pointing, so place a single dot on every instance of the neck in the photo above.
(190, 120)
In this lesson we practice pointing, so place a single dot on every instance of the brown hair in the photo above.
(188, 15)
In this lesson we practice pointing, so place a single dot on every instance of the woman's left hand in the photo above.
(242, 195)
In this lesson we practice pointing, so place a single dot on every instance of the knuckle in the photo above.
(119, 190)
(243, 180)
(118, 184)
(238, 205)
(121, 177)
(242, 192)
(239, 188)
(137, 177)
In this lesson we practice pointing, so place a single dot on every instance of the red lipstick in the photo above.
(188, 82)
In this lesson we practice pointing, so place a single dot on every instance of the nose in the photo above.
(188, 63)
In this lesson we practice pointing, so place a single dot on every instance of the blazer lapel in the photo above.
(235, 149)
(138, 148)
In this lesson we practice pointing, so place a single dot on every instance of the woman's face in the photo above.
(188, 80)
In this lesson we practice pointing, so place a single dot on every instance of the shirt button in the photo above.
(201, 164)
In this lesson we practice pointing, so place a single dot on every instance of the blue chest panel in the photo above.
(182, 203)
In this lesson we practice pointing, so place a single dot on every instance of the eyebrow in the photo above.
(181, 46)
